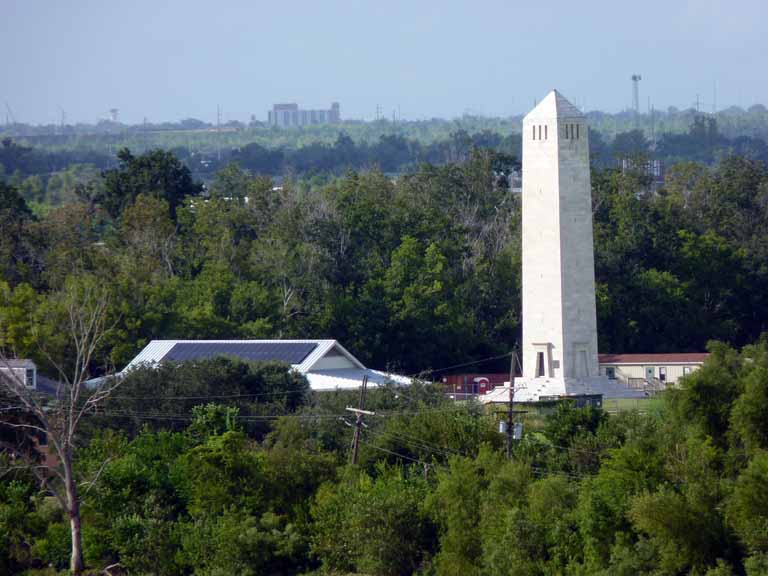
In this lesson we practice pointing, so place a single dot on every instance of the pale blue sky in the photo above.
(168, 60)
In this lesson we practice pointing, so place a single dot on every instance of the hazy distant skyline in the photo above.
(178, 59)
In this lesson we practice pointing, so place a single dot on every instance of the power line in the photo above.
(415, 442)
(395, 453)
(210, 396)
(419, 444)
(537, 470)
(190, 418)
(107, 408)
(455, 409)
(461, 365)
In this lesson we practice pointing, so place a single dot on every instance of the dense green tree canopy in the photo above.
(414, 274)
(225, 467)
(156, 173)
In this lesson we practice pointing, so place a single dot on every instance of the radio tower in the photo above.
(218, 132)
(636, 93)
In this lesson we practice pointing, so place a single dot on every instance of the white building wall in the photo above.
(558, 259)
(333, 363)
(624, 372)
(577, 251)
(19, 374)
(542, 289)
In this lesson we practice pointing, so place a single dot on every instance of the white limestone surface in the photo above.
(559, 314)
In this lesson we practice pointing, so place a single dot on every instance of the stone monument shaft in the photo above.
(559, 318)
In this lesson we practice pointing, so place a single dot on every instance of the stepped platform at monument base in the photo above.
(538, 389)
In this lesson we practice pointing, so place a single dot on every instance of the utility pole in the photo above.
(511, 407)
(359, 411)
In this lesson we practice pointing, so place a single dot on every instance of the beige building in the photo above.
(650, 371)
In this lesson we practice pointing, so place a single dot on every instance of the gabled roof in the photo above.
(676, 358)
(302, 355)
(553, 106)
(17, 363)
(350, 379)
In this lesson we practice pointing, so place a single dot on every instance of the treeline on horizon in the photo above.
(734, 121)
(49, 174)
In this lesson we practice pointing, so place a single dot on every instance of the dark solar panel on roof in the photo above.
(290, 352)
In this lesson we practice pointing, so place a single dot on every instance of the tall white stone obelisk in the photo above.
(559, 316)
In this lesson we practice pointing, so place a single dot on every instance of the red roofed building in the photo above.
(647, 372)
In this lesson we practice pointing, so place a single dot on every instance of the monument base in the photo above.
(536, 389)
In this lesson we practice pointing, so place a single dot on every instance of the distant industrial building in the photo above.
(285, 115)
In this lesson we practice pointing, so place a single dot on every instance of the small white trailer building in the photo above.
(641, 370)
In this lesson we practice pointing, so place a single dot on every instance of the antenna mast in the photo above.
(9, 115)
(218, 130)
(636, 93)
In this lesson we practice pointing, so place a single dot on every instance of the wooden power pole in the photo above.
(511, 407)
(359, 411)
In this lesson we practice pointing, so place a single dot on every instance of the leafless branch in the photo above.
(95, 479)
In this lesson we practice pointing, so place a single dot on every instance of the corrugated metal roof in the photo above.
(350, 379)
(290, 352)
(676, 358)
(17, 363)
(152, 353)
(284, 350)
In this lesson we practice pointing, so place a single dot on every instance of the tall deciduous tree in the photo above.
(155, 173)
(83, 310)
(15, 215)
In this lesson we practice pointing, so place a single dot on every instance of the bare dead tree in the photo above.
(58, 419)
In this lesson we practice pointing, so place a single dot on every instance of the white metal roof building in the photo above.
(326, 364)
